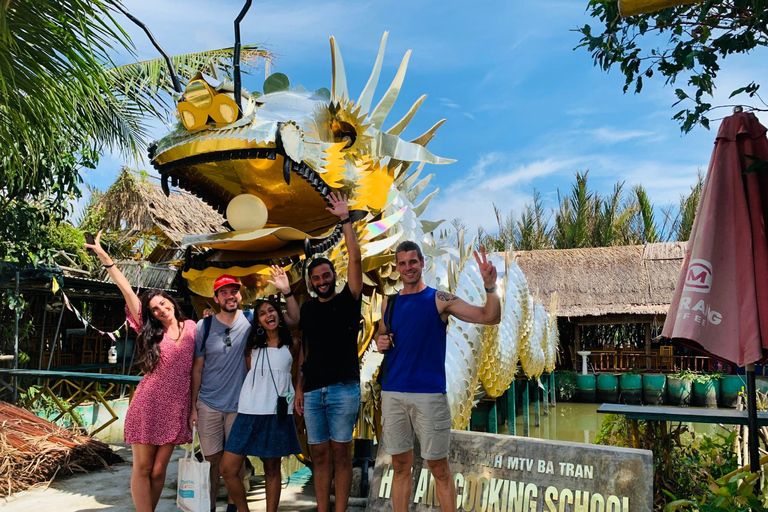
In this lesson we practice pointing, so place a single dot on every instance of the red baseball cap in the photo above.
(224, 281)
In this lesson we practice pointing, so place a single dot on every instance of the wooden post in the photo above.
(511, 413)
(493, 420)
(552, 388)
(527, 408)
(647, 346)
(577, 346)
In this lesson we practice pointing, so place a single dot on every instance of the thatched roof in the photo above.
(595, 282)
(136, 204)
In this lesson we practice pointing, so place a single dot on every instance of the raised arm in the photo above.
(340, 208)
(383, 338)
(280, 281)
(489, 314)
(131, 299)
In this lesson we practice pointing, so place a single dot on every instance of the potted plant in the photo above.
(680, 388)
(706, 389)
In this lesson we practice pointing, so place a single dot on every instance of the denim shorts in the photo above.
(330, 412)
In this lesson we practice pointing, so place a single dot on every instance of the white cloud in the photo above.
(614, 135)
(494, 179)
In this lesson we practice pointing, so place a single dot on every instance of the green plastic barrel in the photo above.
(631, 389)
(654, 389)
(761, 383)
(679, 391)
(585, 388)
(608, 388)
(706, 394)
(730, 387)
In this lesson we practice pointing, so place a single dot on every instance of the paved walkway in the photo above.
(109, 490)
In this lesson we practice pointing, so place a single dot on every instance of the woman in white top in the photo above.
(264, 425)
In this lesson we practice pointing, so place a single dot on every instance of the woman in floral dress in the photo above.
(156, 420)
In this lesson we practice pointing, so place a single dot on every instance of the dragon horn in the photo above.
(385, 105)
(366, 97)
(339, 85)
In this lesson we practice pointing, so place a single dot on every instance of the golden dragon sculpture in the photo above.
(269, 164)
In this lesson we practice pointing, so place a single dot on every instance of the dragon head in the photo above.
(270, 165)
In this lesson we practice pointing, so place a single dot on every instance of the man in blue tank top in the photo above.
(413, 399)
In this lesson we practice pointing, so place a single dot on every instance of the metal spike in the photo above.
(366, 97)
(423, 139)
(385, 105)
(287, 170)
(418, 210)
(164, 185)
(339, 84)
(403, 123)
(418, 188)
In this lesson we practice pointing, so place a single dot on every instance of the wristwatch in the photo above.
(490, 290)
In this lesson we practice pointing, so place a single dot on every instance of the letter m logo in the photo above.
(698, 277)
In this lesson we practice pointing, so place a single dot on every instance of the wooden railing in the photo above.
(635, 360)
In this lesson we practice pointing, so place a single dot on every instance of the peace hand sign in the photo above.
(487, 270)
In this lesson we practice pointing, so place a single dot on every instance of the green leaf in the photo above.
(276, 82)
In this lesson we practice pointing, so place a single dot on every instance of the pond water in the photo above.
(580, 423)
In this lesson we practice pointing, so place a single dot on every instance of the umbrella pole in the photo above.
(754, 455)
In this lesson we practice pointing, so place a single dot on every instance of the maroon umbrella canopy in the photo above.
(720, 304)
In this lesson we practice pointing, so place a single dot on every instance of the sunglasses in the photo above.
(228, 341)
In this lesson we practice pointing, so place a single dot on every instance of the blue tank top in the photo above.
(416, 364)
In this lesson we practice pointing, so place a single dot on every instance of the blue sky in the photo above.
(523, 109)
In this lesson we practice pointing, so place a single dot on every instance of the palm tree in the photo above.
(62, 102)
(645, 218)
(531, 231)
(688, 206)
(575, 216)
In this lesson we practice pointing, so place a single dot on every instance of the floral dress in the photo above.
(159, 411)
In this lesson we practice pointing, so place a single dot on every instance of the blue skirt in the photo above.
(263, 436)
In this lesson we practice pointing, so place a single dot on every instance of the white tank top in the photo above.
(259, 394)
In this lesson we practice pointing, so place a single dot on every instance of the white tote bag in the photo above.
(193, 492)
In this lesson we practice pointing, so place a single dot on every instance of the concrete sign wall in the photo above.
(498, 473)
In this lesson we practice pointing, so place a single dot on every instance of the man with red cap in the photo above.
(218, 370)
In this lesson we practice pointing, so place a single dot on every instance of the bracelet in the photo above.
(490, 290)
(348, 220)
(289, 294)
(107, 266)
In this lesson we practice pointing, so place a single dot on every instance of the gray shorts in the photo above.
(425, 414)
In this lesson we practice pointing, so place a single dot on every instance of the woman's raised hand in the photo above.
(279, 279)
(99, 250)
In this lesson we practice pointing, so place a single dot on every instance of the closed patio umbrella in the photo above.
(720, 304)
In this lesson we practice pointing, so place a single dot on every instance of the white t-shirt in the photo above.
(259, 392)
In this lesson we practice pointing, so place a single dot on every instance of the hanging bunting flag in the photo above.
(112, 335)
(54, 285)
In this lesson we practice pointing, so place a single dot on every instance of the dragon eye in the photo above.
(344, 132)
(199, 94)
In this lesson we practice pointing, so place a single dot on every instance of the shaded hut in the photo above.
(136, 207)
(611, 300)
